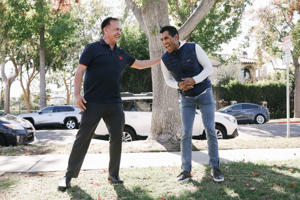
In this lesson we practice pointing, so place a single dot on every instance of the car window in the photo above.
(236, 107)
(69, 109)
(142, 105)
(129, 106)
(249, 106)
(63, 109)
(47, 110)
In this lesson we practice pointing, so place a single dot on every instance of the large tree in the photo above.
(151, 15)
(39, 24)
(276, 22)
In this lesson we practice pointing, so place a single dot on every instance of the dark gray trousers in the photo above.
(113, 117)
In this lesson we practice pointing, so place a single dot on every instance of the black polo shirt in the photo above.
(104, 72)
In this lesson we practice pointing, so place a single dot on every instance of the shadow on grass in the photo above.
(247, 181)
(242, 181)
(77, 193)
(137, 193)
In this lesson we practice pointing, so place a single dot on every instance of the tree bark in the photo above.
(43, 102)
(7, 97)
(297, 87)
(67, 86)
(166, 122)
(26, 91)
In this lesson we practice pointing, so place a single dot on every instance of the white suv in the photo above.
(138, 116)
(66, 115)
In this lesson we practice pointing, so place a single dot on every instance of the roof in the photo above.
(247, 60)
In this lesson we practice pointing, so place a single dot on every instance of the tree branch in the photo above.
(191, 23)
(137, 13)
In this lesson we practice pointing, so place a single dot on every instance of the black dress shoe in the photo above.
(115, 180)
(64, 183)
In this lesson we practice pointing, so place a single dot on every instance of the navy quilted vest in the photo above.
(183, 63)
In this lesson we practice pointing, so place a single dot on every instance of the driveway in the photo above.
(64, 136)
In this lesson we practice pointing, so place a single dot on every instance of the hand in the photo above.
(186, 84)
(79, 100)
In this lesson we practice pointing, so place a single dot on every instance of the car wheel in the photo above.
(70, 124)
(221, 132)
(2, 141)
(260, 119)
(128, 134)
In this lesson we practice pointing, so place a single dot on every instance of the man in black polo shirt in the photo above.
(103, 64)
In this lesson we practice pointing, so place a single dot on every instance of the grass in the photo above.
(152, 146)
(262, 180)
(21, 150)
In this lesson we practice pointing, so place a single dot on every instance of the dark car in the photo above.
(15, 130)
(248, 113)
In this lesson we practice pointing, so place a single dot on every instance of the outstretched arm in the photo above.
(143, 64)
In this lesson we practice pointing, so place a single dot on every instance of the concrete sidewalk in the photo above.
(58, 162)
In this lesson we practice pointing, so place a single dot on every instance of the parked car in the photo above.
(247, 113)
(66, 115)
(137, 109)
(15, 130)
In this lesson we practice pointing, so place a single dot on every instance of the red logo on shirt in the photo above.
(121, 58)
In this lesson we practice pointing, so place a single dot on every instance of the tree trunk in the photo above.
(7, 96)
(27, 98)
(67, 90)
(43, 102)
(166, 124)
(297, 87)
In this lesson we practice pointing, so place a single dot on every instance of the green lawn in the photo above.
(263, 180)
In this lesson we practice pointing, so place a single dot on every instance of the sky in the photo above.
(116, 6)
(247, 22)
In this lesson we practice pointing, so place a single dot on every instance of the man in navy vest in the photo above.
(103, 63)
(186, 67)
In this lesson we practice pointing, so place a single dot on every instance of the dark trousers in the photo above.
(113, 117)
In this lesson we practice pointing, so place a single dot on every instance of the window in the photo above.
(236, 107)
(142, 105)
(47, 110)
(249, 106)
(69, 109)
(63, 109)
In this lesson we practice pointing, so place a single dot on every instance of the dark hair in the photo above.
(171, 29)
(106, 22)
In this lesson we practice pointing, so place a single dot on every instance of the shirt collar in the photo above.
(181, 43)
(102, 42)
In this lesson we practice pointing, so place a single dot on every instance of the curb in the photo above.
(284, 121)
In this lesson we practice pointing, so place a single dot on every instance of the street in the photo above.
(64, 136)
